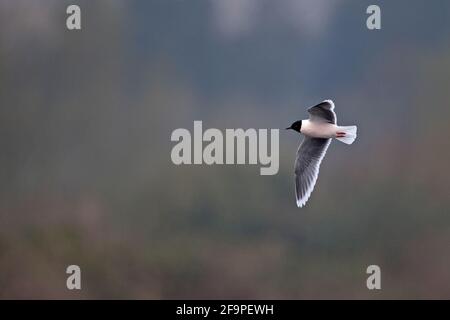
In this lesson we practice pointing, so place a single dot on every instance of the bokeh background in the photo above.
(86, 176)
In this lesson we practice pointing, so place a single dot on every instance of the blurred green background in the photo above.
(85, 170)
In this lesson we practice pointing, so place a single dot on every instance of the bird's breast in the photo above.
(318, 129)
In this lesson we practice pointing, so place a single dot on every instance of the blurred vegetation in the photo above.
(86, 176)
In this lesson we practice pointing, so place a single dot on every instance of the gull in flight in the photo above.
(318, 130)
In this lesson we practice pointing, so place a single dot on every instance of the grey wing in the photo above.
(307, 164)
(324, 111)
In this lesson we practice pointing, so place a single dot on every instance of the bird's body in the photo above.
(318, 131)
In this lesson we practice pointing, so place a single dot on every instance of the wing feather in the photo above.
(307, 164)
(324, 111)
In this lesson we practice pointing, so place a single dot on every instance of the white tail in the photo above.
(347, 134)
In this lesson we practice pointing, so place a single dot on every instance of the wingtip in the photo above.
(330, 102)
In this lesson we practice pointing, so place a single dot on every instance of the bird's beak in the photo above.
(288, 128)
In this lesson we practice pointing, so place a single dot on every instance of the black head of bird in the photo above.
(296, 126)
